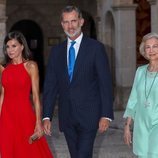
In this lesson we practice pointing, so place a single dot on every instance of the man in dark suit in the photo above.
(83, 86)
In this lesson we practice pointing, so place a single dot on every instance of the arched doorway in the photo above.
(109, 40)
(89, 28)
(34, 38)
(109, 37)
(143, 23)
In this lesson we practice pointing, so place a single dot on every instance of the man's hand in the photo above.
(47, 127)
(103, 125)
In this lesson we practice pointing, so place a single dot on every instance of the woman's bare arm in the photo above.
(32, 69)
(1, 88)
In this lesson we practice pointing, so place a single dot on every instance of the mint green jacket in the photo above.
(145, 131)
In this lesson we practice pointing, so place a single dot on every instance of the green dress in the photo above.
(145, 116)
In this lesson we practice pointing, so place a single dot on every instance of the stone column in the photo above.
(125, 51)
(154, 18)
(2, 25)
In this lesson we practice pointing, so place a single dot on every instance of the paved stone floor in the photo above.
(107, 145)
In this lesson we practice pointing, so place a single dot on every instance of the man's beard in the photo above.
(74, 34)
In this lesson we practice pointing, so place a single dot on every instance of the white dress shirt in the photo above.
(76, 46)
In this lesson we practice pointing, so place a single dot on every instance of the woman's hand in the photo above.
(127, 135)
(39, 130)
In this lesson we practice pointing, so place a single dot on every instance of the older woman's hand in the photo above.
(127, 135)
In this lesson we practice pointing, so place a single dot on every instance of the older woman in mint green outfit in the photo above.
(142, 106)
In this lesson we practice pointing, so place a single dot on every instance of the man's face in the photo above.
(72, 24)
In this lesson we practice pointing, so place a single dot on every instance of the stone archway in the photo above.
(109, 40)
(25, 13)
(89, 27)
(34, 29)
(109, 36)
(34, 37)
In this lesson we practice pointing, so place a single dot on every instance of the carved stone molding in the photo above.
(3, 19)
(122, 2)
(124, 7)
(152, 2)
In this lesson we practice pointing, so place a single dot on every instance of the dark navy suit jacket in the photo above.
(89, 95)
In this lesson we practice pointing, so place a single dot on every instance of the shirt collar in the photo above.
(78, 39)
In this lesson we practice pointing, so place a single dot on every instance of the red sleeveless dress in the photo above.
(17, 118)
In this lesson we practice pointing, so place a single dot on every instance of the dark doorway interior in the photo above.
(34, 38)
(143, 22)
(89, 28)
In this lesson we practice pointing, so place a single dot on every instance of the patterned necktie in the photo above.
(71, 59)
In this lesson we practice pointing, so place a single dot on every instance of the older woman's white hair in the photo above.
(145, 38)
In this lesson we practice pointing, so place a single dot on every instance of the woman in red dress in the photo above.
(20, 116)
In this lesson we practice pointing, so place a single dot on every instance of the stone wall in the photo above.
(115, 22)
(122, 35)
(46, 13)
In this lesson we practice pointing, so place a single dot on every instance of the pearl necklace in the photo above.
(147, 103)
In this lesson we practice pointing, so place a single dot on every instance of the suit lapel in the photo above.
(64, 58)
(80, 56)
